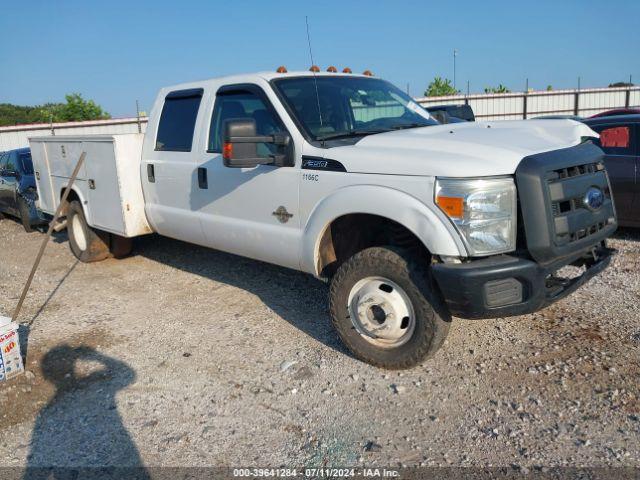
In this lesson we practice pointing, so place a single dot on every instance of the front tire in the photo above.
(386, 308)
(25, 215)
(88, 245)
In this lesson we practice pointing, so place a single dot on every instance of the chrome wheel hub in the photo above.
(381, 312)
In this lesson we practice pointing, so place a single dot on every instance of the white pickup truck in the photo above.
(345, 177)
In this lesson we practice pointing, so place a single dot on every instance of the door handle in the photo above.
(151, 173)
(203, 183)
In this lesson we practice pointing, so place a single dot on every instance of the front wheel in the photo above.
(87, 244)
(387, 309)
(25, 215)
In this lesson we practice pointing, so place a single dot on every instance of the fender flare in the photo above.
(78, 194)
(432, 228)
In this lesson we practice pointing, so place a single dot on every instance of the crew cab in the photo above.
(347, 178)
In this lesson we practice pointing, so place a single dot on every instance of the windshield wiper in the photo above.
(409, 125)
(351, 133)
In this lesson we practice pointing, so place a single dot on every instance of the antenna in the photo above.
(313, 70)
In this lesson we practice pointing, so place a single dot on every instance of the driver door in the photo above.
(251, 212)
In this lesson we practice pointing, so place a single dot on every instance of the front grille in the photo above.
(566, 188)
(571, 205)
(576, 170)
(552, 187)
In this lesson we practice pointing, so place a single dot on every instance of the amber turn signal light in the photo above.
(227, 151)
(452, 206)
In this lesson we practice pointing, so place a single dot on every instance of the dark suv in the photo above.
(18, 187)
(620, 140)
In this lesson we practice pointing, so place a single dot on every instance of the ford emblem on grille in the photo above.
(593, 199)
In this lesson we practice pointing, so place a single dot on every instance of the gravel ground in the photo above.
(181, 355)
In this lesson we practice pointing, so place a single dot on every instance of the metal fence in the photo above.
(520, 105)
(17, 136)
(488, 106)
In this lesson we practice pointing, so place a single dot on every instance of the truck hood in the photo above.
(471, 149)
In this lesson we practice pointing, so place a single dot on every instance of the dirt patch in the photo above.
(22, 397)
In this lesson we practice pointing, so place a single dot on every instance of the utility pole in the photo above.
(455, 54)
(138, 117)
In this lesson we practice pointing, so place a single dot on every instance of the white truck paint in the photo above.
(331, 202)
(108, 183)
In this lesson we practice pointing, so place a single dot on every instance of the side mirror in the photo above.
(240, 148)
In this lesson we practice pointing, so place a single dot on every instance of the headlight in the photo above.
(483, 211)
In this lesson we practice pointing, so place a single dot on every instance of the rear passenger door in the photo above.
(618, 143)
(168, 167)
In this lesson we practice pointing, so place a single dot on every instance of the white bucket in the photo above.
(10, 357)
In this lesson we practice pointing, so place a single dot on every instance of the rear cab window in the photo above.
(178, 120)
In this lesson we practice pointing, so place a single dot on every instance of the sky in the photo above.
(116, 52)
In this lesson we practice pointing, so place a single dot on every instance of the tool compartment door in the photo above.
(104, 208)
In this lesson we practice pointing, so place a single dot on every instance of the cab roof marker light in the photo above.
(281, 69)
(332, 69)
(314, 68)
(346, 70)
(368, 73)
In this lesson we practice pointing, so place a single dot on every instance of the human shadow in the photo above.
(79, 433)
(296, 297)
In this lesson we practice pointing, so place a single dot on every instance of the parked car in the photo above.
(347, 178)
(617, 111)
(558, 117)
(18, 192)
(620, 140)
(452, 113)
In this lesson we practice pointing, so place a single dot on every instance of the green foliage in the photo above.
(549, 88)
(499, 89)
(620, 84)
(75, 109)
(440, 87)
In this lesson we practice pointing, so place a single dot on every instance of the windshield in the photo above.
(349, 106)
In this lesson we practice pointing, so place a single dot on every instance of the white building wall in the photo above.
(18, 136)
(510, 106)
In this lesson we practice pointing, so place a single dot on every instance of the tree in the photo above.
(620, 84)
(440, 87)
(549, 88)
(76, 108)
(499, 89)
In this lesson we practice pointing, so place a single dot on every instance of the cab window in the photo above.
(615, 139)
(25, 163)
(178, 120)
(243, 104)
(10, 163)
